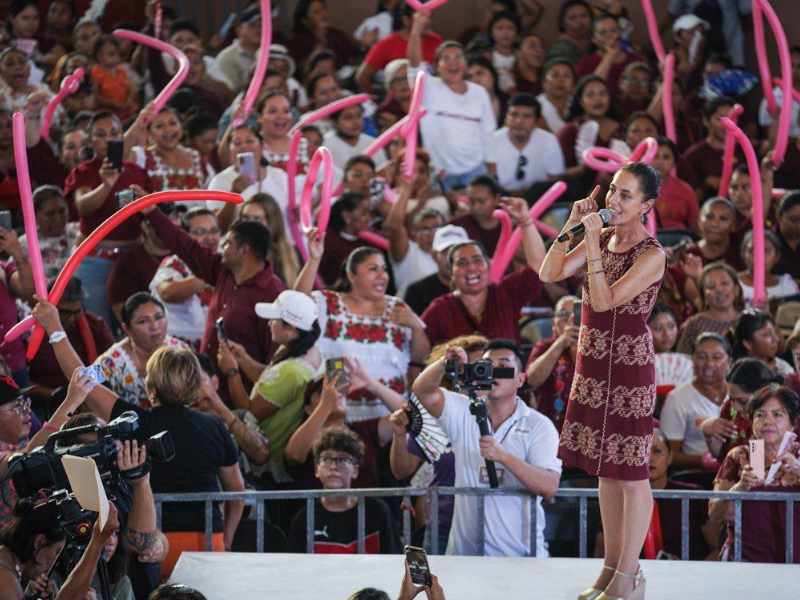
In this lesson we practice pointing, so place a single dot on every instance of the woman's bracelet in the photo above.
(588, 262)
(524, 224)
(596, 272)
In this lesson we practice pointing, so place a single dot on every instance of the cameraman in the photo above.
(29, 544)
(133, 497)
(523, 446)
(205, 455)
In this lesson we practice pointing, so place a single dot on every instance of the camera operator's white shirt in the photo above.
(528, 435)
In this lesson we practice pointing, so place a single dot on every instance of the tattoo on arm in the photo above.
(249, 441)
(140, 541)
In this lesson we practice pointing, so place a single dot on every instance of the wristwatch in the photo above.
(231, 373)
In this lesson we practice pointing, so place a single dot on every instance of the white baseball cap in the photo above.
(689, 22)
(293, 307)
(281, 52)
(447, 236)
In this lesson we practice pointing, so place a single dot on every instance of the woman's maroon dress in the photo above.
(608, 427)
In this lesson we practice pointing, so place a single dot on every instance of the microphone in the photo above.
(605, 215)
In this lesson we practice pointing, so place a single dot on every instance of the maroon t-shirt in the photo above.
(707, 162)
(487, 237)
(337, 249)
(568, 135)
(790, 259)
(44, 369)
(732, 256)
(788, 176)
(526, 86)
(590, 62)
(447, 317)
(87, 174)
(132, 272)
(47, 170)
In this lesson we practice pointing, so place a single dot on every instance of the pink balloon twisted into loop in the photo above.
(795, 94)
(409, 129)
(666, 99)
(69, 85)
(652, 29)
(26, 199)
(428, 6)
(254, 88)
(609, 161)
(759, 270)
(502, 259)
(727, 153)
(763, 8)
(375, 239)
(291, 165)
(321, 158)
(183, 63)
(96, 237)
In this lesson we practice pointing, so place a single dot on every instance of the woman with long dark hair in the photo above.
(605, 433)
(754, 334)
(277, 396)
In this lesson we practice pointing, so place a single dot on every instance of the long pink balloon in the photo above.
(409, 130)
(321, 158)
(610, 161)
(652, 28)
(97, 236)
(505, 236)
(291, 165)
(254, 88)
(432, 5)
(666, 98)
(69, 85)
(373, 238)
(501, 262)
(652, 224)
(183, 63)
(727, 153)
(26, 199)
(763, 59)
(759, 270)
(645, 151)
(784, 121)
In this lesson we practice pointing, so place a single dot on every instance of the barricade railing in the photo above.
(257, 498)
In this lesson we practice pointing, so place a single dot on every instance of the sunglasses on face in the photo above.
(521, 164)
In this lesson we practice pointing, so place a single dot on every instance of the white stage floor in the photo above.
(332, 577)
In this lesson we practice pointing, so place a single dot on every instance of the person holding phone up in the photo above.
(94, 186)
(16, 279)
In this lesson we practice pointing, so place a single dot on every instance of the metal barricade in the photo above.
(434, 493)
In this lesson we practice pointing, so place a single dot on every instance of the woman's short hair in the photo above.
(451, 254)
(134, 302)
(43, 193)
(788, 201)
(174, 376)
(751, 375)
(712, 337)
(175, 591)
(787, 397)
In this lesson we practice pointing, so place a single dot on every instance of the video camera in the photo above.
(478, 375)
(42, 468)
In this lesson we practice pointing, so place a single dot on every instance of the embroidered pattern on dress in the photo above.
(634, 402)
(588, 390)
(630, 450)
(626, 349)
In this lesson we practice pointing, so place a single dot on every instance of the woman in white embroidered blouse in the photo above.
(360, 321)
(145, 325)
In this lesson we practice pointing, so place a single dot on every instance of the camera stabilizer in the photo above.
(473, 377)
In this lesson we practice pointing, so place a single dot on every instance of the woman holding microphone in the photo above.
(608, 427)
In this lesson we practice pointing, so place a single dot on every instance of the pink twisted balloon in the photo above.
(69, 85)
(666, 99)
(183, 63)
(652, 29)
(322, 157)
(759, 264)
(409, 130)
(727, 154)
(254, 88)
(609, 161)
(432, 5)
(505, 236)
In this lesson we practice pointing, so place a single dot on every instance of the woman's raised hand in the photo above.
(581, 208)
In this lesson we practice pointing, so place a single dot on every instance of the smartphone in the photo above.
(96, 371)
(334, 369)
(577, 309)
(125, 197)
(5, 220)
(247, 165)
(221, 333)
(418, 566)
(377, 186)
(115, 153)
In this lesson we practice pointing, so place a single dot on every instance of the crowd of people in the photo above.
(209, 324)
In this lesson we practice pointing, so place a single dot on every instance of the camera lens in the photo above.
(481, 370)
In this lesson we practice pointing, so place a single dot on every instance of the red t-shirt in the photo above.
(590, 62)
(395, 46)
(707, 162)
(132, 272)
(677, 204)
(447, 317)
(87, 174)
